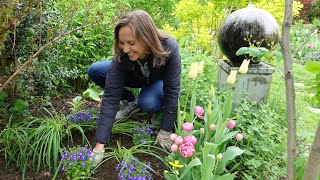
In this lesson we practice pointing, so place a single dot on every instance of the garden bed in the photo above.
(106, 171)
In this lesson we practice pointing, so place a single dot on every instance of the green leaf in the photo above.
(3, 95)
(313, 66)
(255, 52)
(242, 50)
(20, 104)
(208, 166)
(169, 176)
(278, 56)
(90, 93)
(228, 136)
(224, 177)
(316, 22)
(193, 163)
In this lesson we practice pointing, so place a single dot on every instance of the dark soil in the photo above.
(107, 171)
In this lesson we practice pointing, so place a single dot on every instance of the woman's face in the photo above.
(130, 45)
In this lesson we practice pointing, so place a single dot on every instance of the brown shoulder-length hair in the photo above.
(146, 33)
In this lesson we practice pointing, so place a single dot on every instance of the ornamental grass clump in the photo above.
(133, 169)
(75, 162)
(142, 134)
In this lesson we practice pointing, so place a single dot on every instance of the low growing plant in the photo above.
(134, 170)
(142, 134)
(76, 163)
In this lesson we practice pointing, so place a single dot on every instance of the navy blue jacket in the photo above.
(127, 73)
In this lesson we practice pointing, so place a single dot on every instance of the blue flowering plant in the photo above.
(75, 162)
(133, 169)
(86, 119)
(142, 134)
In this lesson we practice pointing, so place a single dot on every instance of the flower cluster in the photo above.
(134, 170)
(184, 144)
(81, 117)
(142, 135)
(76, 163)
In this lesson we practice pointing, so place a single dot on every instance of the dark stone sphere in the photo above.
(246, 25)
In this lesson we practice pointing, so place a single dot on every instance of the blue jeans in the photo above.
(150, 98)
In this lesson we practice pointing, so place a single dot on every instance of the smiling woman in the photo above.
(146, 58)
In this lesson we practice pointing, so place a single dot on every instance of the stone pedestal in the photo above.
(256, 83)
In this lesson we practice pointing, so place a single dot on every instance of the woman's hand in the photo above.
(163, 140)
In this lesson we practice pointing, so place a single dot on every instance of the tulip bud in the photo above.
(172, 137)
(211, 92)
(187, 126)
(244, 66)
(212, 127)
(193, 72)
(231, 124)
(174, 147)
(201, 130)
(219, 156)
(200, 67)
(239, 137)
(178, 140)
(232, 77)
(209, 111)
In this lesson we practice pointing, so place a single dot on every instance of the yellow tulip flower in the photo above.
(200, 67)
(244, 66)
(193, 72)
(232, 77)
(176, 164)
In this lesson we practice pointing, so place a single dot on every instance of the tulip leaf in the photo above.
(208, 166)
(227, 106)
(229, 154)
(193, 104)
(313, 66)
(193, 163)
(170, 176)
(228, 136)
(224, 177)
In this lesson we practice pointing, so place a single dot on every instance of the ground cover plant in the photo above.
(48, 114)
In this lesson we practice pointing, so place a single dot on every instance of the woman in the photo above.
(145, 58)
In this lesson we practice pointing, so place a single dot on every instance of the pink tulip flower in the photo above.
(212, 127)
(178, 140)
(198, 110)
(172, 137)
(231, 124)
(187, 149)
(187, 126)
(239, 137)
(310, 46)
(174, 148)
(190, 138)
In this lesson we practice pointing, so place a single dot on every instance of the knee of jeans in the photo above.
(148, 105)
(92, 70)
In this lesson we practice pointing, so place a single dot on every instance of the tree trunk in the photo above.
(313, 166)
(290, 92)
